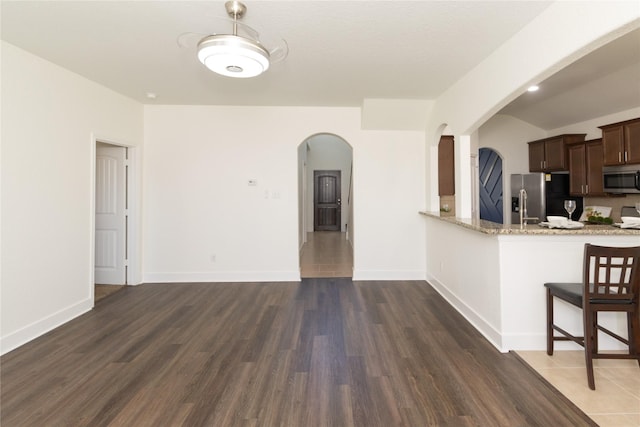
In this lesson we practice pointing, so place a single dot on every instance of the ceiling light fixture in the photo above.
(233, 55)
(533, 88)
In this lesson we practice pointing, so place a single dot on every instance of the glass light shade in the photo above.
(233, 56)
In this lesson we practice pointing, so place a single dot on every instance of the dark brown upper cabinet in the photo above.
(446, 166)
(585, 168)
(621, 142)
(550, 154)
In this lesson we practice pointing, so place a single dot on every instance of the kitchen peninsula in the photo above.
(493, 274)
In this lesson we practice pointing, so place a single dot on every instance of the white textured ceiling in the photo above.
(605, 81)
(340, 52)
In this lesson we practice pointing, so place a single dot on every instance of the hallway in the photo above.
(326, 254)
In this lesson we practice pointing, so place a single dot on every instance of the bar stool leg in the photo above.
(549, 322)
(589, 332)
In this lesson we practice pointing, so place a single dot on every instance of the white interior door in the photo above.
(111, 211)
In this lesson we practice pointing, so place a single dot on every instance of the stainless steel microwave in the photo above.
(622, 179)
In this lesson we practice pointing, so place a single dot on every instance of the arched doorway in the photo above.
(325, 251)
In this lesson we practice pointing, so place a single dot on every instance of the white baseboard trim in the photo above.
(42, 326)
(223, 276)
(485, 328)
(389, 274)
(533, 342)
(513, 341)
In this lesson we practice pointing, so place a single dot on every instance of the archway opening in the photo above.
(325, 206)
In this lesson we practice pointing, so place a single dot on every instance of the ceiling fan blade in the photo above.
(279, 52)
(217, 25)
(189, 39)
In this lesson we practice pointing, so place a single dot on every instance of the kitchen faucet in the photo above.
(522, 202)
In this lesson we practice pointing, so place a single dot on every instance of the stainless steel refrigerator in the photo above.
(546, 194)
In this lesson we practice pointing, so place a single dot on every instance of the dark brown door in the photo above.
(326, 200)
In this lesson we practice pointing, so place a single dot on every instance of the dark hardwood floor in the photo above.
(324, 352)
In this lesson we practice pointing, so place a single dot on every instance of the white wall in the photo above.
(497, 281)
(590, 127)
(198, 203)
(395, 114)
(198, 161)
(388, 173)
(463, 266)
(303, 217)
(49, 119)
(509, 136)
(526, 263)
(536, 52)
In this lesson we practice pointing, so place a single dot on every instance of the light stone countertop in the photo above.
(489, 227)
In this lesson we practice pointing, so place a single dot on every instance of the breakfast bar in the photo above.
(493, 274)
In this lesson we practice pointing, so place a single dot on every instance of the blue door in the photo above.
(490, 176)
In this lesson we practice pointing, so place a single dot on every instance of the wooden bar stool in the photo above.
(611, 282)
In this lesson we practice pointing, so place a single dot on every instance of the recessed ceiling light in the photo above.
(533, 88)
(151, 95)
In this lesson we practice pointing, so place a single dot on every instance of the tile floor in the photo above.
(326, 254)
(616, 399)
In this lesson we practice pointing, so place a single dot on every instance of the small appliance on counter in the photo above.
(545, 195)
(629, 211)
